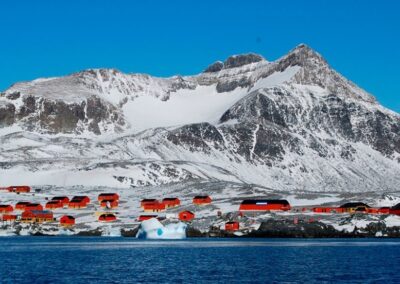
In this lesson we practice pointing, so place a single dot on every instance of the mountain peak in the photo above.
(303, 54)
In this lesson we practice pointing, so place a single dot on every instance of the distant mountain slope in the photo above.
(290, 124)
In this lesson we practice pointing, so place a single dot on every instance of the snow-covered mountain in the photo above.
(293, 124)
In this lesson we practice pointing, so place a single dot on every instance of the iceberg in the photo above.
(152, 229)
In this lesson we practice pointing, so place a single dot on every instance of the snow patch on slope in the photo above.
(276, 78)
(204, 104)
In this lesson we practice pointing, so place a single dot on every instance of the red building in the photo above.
(355, 207)
(109, 203)
(64, 200)
(232, 226)
(84, 198)
(171, 202)
(8, 217)
(67, 221)
(108, 197)
(21, 205)
(19, 189)
(154, 207)
(384, 210)
(147, 201)
(54, 204)
(146, 217)
(107, 217)
(264, 205)
(4, 209)
(202, 200)
(372, 211)
(33, 206)
(37, 216)
(327, 210)
(186, 216)
(78, 202)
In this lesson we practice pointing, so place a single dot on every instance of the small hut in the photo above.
(232, 226)
(108, 197)
(171, 202)
(186, 216)
(64, 200)
(54, 204)
(67, 221)
(34, 206)
(107, 217)
(4, 209)
(19, 189)
(202, 200)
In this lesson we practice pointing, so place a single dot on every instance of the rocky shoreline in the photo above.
(268, 229)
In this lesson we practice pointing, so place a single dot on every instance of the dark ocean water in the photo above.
(122, 260)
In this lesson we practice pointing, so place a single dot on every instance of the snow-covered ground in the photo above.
(226, 197)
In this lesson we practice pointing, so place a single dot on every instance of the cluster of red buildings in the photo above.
(154, 205)
(35, 212)
(358, 207)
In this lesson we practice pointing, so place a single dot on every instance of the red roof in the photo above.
(232, 226)
(146, 217)
(171, 202)
(37, 214)
(264, 205)
(79, 202)
(21, 205)
(33, 206)
(107, 217)
(63, 199)
(80, 198)
(54, 204)
(186, 216)
(6, 208)
(154, 206)
(67, 220)
(202, 199)
(108, 196)
(327, 210)
(9, 217)
(147, 201)
(19, 188)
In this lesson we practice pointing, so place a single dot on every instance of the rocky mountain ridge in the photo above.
(289, 124)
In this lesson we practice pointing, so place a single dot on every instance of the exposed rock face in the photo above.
(50, 115)
(242, 59)
(227, 86)
(7, 115)
(215, 67)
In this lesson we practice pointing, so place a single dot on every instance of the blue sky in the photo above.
(360, 39)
